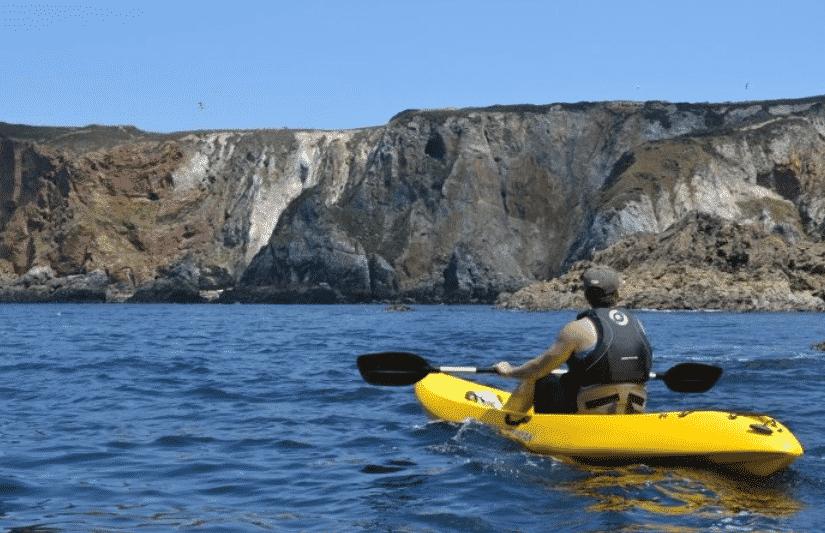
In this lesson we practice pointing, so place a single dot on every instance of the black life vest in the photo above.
(622, 354)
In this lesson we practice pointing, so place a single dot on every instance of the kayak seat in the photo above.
(555, 395)
(616, 398)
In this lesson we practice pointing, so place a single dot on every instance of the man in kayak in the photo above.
(608, 354)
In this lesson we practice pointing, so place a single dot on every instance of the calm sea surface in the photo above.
(254, 418)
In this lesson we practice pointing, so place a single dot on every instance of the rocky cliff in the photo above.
(701, 262)
(435, 206)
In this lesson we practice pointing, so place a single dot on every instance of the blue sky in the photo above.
(180, 65)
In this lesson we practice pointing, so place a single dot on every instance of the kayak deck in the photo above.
(750, 444)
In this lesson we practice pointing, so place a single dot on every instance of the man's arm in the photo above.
(575, 335)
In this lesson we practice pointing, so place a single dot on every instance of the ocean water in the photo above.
(254, 418)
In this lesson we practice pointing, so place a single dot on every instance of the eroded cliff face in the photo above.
(767, 172)
(448, 205)
(136, 207)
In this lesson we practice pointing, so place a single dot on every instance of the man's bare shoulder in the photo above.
(581, 331)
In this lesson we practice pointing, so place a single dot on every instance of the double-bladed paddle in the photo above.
(403, 368)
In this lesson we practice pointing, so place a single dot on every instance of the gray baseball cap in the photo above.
(605, 278)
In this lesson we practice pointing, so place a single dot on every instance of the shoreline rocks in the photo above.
(703, 262)
(700, 263)
(41, 285)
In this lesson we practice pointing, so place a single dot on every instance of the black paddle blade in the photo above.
(691, 377)
(393, 368)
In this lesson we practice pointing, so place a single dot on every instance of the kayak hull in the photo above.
(749, 444)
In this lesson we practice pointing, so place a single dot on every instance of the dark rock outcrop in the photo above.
(42, 285)
(309, 249)
(178, 285)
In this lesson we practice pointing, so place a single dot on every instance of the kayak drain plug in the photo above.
(764, 430)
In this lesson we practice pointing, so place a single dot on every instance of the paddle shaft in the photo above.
(466, 369)
(491, 370)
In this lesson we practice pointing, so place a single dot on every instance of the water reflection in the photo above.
(682, 491)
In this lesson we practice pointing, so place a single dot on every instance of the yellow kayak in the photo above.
(748, 444)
